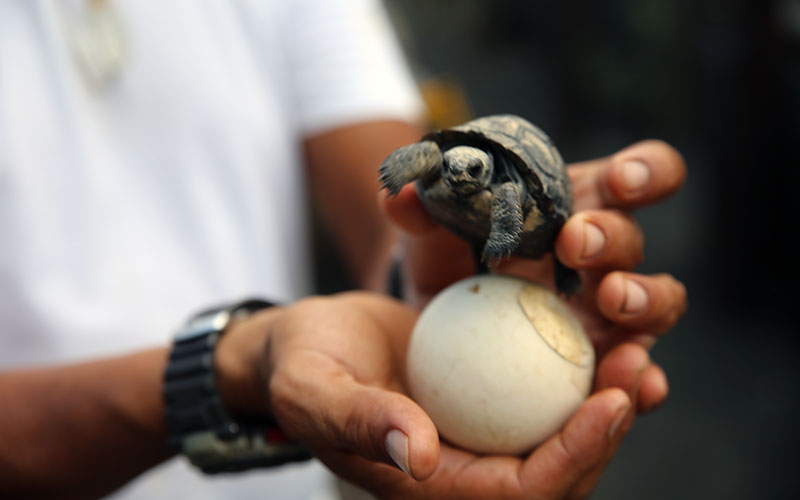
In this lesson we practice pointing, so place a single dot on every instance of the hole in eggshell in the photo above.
(552, 324)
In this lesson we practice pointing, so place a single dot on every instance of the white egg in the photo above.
(499, 364)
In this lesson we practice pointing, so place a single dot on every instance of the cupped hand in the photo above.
(601, 240)
(335, 369)
(335, 365)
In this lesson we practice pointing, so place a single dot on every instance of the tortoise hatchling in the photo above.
(496, 181)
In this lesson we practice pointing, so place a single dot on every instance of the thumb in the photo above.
(434, 256)
(564, 460)
(389, 427)
(375, 423)
(408, 213)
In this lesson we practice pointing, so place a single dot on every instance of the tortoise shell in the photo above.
(531, 154)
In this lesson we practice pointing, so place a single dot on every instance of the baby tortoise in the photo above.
(496, 181)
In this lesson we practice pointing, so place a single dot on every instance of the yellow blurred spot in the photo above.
(447, 102)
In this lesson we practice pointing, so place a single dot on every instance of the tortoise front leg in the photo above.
(409, 163)
(506, 219)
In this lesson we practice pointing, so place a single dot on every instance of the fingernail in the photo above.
(619, 417)
(593, 240)
(645, 340)
(636, 175)
(635, 297)
(397, 447)
(657, 378)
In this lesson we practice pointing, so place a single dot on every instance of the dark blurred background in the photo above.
(719, 80)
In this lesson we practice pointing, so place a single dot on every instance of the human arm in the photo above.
(342, 176)
(82, 430)
(354, 101)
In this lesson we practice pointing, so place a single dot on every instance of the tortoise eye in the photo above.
(474, 170)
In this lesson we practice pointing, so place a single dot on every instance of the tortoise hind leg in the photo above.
(409, 163)
(506, 219)
(567, 280)
(480, 263)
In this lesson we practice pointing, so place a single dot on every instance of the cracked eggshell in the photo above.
(499, 364)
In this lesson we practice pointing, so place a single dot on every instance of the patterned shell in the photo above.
(524, 145)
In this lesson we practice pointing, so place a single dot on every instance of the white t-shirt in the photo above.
(127, 204)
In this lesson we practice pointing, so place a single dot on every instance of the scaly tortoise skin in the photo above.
(497, 181)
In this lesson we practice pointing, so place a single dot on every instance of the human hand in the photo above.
(600, 240)
(335, 370)
(335, 365)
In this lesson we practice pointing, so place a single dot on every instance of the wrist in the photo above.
(239, 364)
(206, 383)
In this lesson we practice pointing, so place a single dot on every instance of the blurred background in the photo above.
(719, 80)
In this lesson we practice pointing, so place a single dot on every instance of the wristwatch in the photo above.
(198, 424)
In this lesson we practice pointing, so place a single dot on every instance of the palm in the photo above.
(355, 344)
(337, 370)
(436, 258)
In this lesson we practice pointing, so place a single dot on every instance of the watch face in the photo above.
(204, 324)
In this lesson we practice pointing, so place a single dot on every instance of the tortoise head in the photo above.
(467, 170)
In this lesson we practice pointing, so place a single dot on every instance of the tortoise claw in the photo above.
(389, 181)
(409, 163)
(498, 248)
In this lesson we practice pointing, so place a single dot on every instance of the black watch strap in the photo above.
(198, 424)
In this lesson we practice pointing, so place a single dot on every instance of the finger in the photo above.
(600, 239)
(628, 367)
(653, 389)
(623, 368)
(638, 175)
(407, 212)
(340, 413)
(652, 303)
(434, 256)
(435, 260)
(382, 480)
(559, 464)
